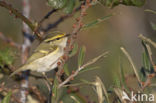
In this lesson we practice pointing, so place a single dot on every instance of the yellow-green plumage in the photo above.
(45, 56)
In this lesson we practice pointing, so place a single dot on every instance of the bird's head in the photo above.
(58, 40)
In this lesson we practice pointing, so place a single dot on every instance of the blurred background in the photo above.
(122, 29)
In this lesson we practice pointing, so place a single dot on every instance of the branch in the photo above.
(47, 15)
(19, 15)
(25, 50)
(71, 39)
(9, 41)
(61, 19)
(38, 94)
(81, 68)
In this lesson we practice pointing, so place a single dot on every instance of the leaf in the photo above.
(85, 81)
(149, 41)
(149, 10)
(119, 93)
(74, 50)
(138, 3)
(146, 62)
(73, 98)
(142, 74)
(69, 7)
(153, 26)
(131, 62)
(6, 57)
(91, 24)
(57, 4)
(113, 3)
(147, 57)
(117, 81)
(66, 69)
(88, 69)
(81, 56)
(101, 90)
(123, 81)
(7, 98)
(55, 91)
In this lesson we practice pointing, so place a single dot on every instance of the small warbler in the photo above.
(46, 55)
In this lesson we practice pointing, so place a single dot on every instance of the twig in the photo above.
(47, 15)
(148, 80)
(82, 67)
(62, 18)
(9, 41)
(76, 28)
(19, 15)
(38, 94)
(5, 89)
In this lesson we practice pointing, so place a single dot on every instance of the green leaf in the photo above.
(149, 10)
(6, 57)
(66, 69)
(116, 81)
(146, 62)
(91, 24)
(74, 50)
(142, 76)
(153, 26)
(123, 81)
(57, 4)
(69, 7)
(73, 98)
(88, 69)
(7, 98)
(85, 81)
(138, 2)
(77, 98)
(113, 3)
(146, 58)
(81, 56)
(55, 91)
(131, 62)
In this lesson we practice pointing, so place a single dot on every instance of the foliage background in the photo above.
(120, 30)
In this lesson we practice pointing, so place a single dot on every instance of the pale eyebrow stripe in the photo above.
(59, 38)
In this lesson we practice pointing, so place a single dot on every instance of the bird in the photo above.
(46, 56)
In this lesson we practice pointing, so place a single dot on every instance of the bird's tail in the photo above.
(23, 68)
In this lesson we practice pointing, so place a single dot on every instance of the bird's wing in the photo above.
(36, 55)
(42, 50)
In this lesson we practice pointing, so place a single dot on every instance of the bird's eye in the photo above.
(57, 38)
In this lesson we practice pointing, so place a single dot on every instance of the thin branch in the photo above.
(76, 28)
(38, 94)
(9, 41)
(19, 15)
(13, 90)
(61, 19)
(47, 15)
(82, 67)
